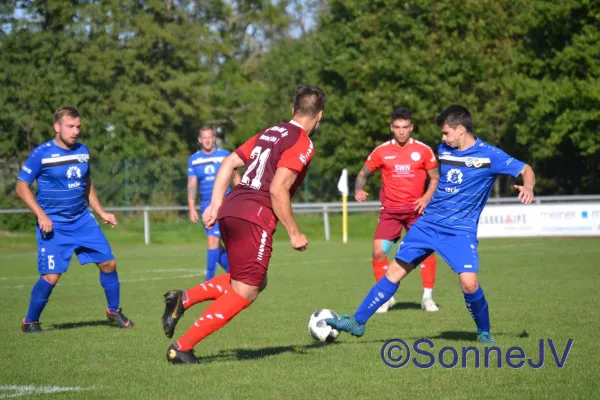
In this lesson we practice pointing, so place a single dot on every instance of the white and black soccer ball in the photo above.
(319, 330)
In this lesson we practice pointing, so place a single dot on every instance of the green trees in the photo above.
(528, 71)
(555, 94)
(147, 74)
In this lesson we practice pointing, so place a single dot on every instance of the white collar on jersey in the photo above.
(297, 124)
(410, 141)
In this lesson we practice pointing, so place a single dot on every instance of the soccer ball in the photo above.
(319, 330)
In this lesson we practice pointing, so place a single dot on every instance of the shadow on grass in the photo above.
(462, 336)
(406, 305)
(467, 336)
(255, 354)
(81, 324)
(259, 353)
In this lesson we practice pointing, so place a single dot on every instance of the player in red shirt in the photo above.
(405, 165)
(276, 161)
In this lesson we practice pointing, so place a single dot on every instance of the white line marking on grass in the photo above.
(11, 255)
(542, 253)
(32, 277)
(165, 270)
(156, 256)
(193, 275)
(490, 246)
(7, 278)
(157, 278)
(196, 273)
(29, 390)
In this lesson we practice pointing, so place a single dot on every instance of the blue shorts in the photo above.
(84, 237)
(214, 231)
(459, 251)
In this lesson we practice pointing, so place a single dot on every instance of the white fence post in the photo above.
(147, 226)
(326, 223)
(582, 210)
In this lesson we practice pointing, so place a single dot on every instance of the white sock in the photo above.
(427, 293)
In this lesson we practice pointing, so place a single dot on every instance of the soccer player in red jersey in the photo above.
(276, 161)
(405, 165)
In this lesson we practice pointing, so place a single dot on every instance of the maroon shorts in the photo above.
(391, 223)
(249, 249)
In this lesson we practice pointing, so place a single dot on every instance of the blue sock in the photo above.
(224, 260)
(39, 297)
(379, 294)
(478, 307)
(212, 257)
(111, 285)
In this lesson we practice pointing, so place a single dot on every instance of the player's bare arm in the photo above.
(92, 198)
(526, 190)
(192, 189)
(237, 178)
(282, 206)
(25, 193)
(231, 163)
(434, 177)
(361, 180)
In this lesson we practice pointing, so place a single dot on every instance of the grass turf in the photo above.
(536, 288)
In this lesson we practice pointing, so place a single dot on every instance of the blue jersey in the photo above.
(61, 179)
(205, 167)
(466, 181)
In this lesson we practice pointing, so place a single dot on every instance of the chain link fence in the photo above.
(135, 183)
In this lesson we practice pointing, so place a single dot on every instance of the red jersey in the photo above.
(403, 171)
(284, 145)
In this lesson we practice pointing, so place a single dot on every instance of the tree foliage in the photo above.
(146, 74)
(527, 70)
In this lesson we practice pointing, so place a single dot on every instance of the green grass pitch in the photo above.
(541, 288)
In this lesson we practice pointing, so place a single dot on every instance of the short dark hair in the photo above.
(309, 100)
(401, 113)
(454, 116)
(65, 112)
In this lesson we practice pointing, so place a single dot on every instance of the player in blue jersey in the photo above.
(203, 166)
(61, 168)
(468, 169)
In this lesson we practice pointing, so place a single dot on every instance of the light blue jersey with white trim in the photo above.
(61, 179)
(466, 181)
(205, 167)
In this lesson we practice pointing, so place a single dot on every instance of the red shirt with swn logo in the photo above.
(403, 171)
(285, 145)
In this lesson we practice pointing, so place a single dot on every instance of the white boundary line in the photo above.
(193, 273)
(32, 390)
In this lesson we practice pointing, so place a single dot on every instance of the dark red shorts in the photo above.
(391, 223)
(249, 249)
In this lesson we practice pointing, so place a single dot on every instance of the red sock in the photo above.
(379, 268)
(216, 316)
(428, 270)
(210, 290)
